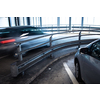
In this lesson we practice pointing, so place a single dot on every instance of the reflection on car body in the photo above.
(10, 35)
(87, 63)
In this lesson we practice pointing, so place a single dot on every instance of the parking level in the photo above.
(60, 72)
(49, 70)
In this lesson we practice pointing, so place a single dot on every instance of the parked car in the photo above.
(87, 63)
(11, 35)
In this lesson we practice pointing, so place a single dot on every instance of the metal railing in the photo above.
(21, 65)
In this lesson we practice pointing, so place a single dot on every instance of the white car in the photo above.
(87, 63)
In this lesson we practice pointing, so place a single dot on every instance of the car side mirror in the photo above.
(84, 50)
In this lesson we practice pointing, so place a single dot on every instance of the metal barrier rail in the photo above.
(21, 66)
(59, 28)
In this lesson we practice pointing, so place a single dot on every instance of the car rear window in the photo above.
(7, 33)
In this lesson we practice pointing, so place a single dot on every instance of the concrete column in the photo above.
(9, 21)
(69, 23)
(28, 20)
(82, 21)
(18, 21)
(58, 21)
(15, 18)
(41, 21)
(23, 21)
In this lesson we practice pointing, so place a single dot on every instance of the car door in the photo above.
(30, 33)
(91, 64)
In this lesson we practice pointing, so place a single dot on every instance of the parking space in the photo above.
(60, 72)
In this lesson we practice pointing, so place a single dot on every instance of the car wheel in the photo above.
(77, 71)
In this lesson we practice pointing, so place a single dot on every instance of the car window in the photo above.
(95, 50)
(30, 31)
(8, 33)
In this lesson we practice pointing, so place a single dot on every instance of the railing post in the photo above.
(51, 55)
(19, 50)
(51, 41)
(14, 70)
(79, 39)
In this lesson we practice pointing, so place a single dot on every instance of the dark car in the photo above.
(87, 63)
(11, 35)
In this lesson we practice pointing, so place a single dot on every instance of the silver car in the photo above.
(11, 35)
(87, 63)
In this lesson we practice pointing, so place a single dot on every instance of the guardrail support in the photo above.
(14, 70)
(19, 50)
(51, 41)
(51, 55)
(79, 39)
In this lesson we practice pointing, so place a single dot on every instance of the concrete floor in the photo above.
(56, 73)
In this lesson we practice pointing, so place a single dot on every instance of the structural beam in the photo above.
(18, 21)
(69, 23)
(41, 21)
(23, 21)
(82, 21)
(9, 21)
(58, 21)
(15, 18)
(28, 20)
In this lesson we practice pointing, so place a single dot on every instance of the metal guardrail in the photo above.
(21, 66)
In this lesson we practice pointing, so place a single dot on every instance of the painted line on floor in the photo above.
(72, 77)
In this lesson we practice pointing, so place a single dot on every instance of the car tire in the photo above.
(77, 71)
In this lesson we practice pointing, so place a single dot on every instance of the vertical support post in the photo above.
(79, 39)
(69, 23)
(23, 21)
(15, 21)
(41, 21)
(58, 22)
(19, 50)
(28, 20)
(14, 70)
(9, 21)
(82, 22)
(51, 41)
(51, 55)
(18, 21)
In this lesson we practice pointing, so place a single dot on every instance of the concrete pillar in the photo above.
(41, 21)
(58, 21)
(18, 21)
(28, 20)
(82, 21)
(69, 23)
(23, 21)
(9, 21)
(15, 18)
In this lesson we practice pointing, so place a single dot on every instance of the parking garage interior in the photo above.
(53, 63)
(47, 70)
(47, 63)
